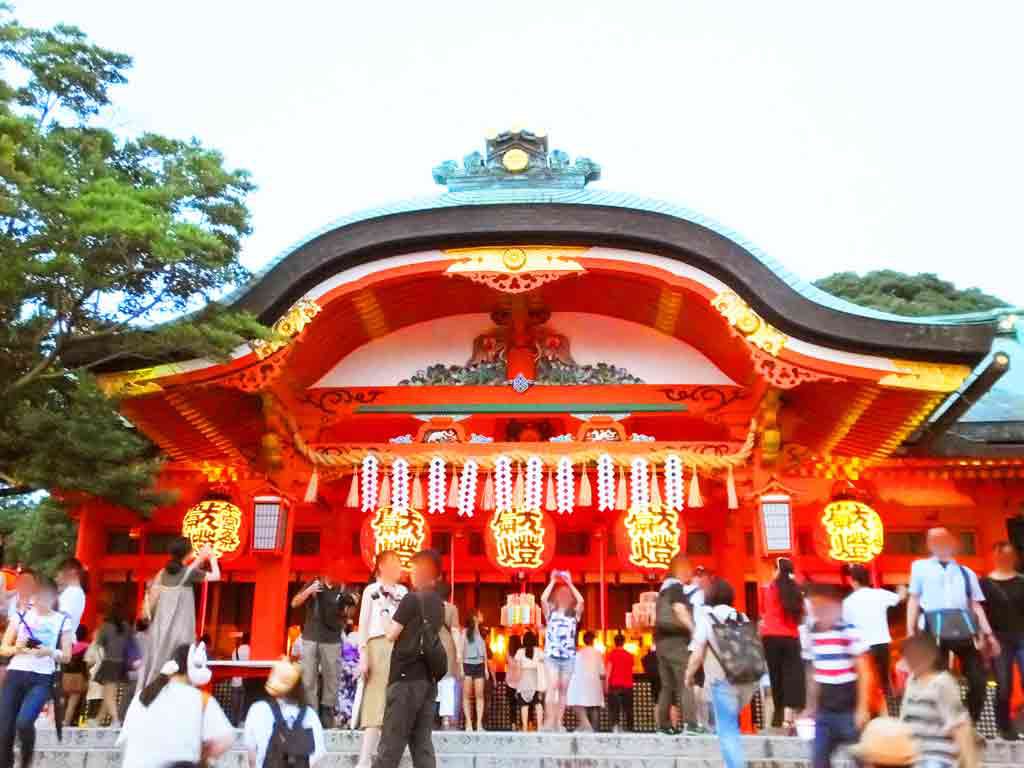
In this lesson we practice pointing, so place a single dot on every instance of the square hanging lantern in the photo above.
(777, 523)
(269, 524)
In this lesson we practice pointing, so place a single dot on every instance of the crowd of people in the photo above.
(395, 661)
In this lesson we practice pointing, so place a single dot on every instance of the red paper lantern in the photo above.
(849, 531)
(648, 538)
(218, 524)
(520, 540)
(403, 531)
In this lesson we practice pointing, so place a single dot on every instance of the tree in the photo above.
(901, 294)
(36, 533)
(114, 250)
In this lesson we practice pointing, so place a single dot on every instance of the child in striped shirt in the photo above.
(932, 708)
(838, 679)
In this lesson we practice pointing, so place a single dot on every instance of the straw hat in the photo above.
(283, 677)
(886, 742)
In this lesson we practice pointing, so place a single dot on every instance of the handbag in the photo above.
(953, 625)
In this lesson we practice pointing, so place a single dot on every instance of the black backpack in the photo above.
(740, 651)
(665, 620)
(431, 649)
(290, 747)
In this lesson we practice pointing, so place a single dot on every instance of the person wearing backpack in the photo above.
(727, 647)
(284, 731)
(946, 601)
(673, 629)
(418, 662)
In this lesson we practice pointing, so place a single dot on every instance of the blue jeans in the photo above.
(831, 731)
(726, 705)
(1012, 653)
(22, 698)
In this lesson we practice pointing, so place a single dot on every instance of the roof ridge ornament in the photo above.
(516, 159)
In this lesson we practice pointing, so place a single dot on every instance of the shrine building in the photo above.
(529, 372)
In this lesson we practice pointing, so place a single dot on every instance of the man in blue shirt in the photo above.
(939, 587)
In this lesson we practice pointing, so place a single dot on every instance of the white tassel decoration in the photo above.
(487, 502)
(655, 491)
(549, 498)
(400, 485)
(519, 492)
(417, 491)
(369, 477)
(675, 488)
(533, 487)
(564, 486)
(503, 484)
(312, 487)
(639, 485)
(453, 489)
(353, 492)
(730, 488)
(605, 483)
(435, 486)
(467, 489)
(586, 497)
(622, 496)
(695, 498)
(385, 491)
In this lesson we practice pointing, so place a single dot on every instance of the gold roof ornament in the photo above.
(515, 269)
(290, 325)
(749, 324)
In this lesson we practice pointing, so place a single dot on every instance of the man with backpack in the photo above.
(945, 600)
(673, 628)
(728, 648)
(418, 662)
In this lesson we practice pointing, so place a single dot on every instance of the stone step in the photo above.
(94, 748)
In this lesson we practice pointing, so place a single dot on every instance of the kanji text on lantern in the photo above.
(400, 531)
(653, 536)
(215, 524)
(518, 537)
(854, 531)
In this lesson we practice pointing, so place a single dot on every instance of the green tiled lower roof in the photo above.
(596, 197)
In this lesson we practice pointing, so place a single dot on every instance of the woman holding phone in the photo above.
(35, 642)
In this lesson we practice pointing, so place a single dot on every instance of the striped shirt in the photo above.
(932, 709)
(833, 653)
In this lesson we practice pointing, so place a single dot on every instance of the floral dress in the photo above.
(348, 678)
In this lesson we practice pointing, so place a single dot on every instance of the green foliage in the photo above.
(913, 295)
(113, 252)
(38, 533)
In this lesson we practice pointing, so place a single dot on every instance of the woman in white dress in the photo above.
(172, 721)
(586, 688)
(380, 600)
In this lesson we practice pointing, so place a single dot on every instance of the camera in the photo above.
(32, 643)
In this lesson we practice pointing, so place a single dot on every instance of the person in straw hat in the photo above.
(885, 743)
(287, 718)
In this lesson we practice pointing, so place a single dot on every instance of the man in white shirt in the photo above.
(867, 609)
(938, 585)
(71, 601)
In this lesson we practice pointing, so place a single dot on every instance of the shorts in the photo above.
(561, 666)
(536, 698)
(474, 671)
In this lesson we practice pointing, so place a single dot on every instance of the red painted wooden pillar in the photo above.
(270, 599)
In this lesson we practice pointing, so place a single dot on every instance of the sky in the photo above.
(835, 136)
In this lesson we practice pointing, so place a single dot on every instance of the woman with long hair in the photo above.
(288, 697)
(474, 671)
(780, 632)
(532, 678)
(35, 641)
(170, 605)
(446, 693)
(173, 723)
(116, 639)
(563, 609)
(380, 601)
